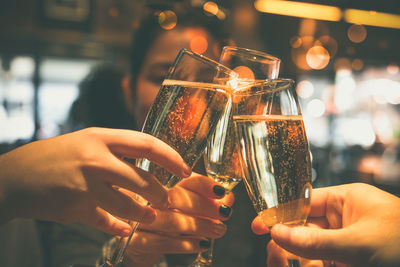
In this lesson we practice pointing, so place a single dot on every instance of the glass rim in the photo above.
(263, 87)
(206, 60)
(251, 51)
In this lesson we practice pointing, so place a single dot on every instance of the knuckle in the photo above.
(149, 145)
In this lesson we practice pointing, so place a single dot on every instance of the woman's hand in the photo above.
(355, 224)
(198, 205)
(73, 178)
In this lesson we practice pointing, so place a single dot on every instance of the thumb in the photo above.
(312, 243)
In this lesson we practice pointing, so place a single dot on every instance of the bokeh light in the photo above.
(342, 63)
(329, 43)
(316, 108)
(113, 12)
(392, 68)
(317, 57)
(210, 8)
(167, 19)
(357, 64)
(299, 58)
(244, 72)
(296, 41)
(305, 89)
(199, 44)
(357, 33)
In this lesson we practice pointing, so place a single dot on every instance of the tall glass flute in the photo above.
(222, 158)
(192, 99)
(274, 153)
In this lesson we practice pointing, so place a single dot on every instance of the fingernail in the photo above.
(204, 243)
(220, 229)
(219, 190)
(187, 171)
(149, 216)
(225, 211)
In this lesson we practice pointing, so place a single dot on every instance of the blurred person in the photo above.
(153, 52)
(349, 225)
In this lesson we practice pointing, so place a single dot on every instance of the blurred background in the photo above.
(344, 56)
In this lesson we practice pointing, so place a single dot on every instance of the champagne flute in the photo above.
(191, 100)
(221, 158)
(274, 152)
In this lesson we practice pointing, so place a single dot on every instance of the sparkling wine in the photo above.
(277, 166)
(184, 115)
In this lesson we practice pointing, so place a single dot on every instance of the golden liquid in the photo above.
(277, 172)
(183, 115)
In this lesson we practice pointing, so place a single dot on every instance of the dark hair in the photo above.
(101, 102)
(149, 29)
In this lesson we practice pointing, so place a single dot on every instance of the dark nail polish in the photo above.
(225, 211)
(219, 190)
(205, 243)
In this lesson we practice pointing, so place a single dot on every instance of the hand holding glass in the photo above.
(192, 98)
(274, 152)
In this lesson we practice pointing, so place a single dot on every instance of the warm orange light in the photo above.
(198, 44)
(296, 42)
(342, 63)
(299, 58)
(211, 8)
(167, 19)
(357, 64)
(317, 57)
(357, 33)
(299, 9)
(373, 18)
(329, 43)
(244, 72)
(113, 12)
(392, 68)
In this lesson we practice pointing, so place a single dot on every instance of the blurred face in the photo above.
(158, 60)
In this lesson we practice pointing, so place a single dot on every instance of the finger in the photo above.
(258, 226)
(312, 243)
(322, 198)
(102, 220)
(276, 256)
(125, 175)
(143, 242)
(122, 205)
(203, 185)
(194, 204)
(228, 199)
(318, 222)
(132, 144)
(182, 224)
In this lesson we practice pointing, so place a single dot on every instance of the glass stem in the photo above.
(120, 249)
(204, 258)
(294, 263)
